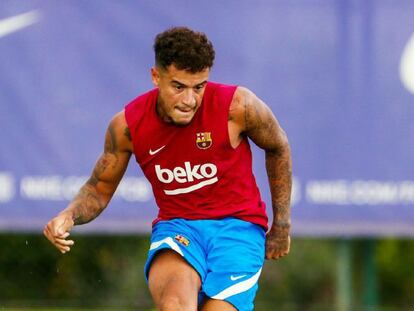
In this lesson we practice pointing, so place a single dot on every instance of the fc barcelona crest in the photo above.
(182, 239)
(204, 140)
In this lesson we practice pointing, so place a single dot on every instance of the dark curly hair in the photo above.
(186, 49)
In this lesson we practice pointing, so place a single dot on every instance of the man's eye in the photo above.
(178, 87)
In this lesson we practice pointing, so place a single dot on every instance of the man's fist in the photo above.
(57, 231)
(277, 243)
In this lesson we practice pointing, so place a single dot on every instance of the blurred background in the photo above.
(339, 76)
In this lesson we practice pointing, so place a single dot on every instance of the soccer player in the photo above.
(190, 137)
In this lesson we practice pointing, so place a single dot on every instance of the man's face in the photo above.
(180, 93)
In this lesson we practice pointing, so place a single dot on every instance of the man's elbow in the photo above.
(281, 147)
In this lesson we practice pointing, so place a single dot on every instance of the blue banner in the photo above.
(339, 76)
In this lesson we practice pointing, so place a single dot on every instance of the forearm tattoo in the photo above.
(262, 127)
(88, 204)
(279, 171)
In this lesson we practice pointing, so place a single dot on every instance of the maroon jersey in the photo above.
(194, 171)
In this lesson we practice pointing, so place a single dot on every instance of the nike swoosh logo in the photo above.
(156, 151)
(13, 24)
(407, 65)
(235, 278)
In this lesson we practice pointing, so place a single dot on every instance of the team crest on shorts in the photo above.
(204, 140)
(183, 240)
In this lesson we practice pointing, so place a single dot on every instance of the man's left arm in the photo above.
(261, 126)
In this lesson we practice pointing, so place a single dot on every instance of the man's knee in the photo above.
(173, 283)
(175, 303)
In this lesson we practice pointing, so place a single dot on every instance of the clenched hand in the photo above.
(57, 232)
(277, 243)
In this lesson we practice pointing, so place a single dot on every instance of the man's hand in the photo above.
(57, 231)
(277, 243)
(96, 193)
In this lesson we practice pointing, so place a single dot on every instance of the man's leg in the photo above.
(216, 305)
(173, 283)
(235, 259)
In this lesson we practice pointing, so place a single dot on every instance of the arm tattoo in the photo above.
(110, 142)
(264, 130)
(127, 133)
(88, 204)
(279, 171)
(108, 158)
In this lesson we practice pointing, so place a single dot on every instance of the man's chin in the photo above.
(182, 120)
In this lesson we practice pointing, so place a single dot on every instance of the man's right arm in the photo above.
(96, 193)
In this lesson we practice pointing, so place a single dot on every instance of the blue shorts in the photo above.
(228, 254)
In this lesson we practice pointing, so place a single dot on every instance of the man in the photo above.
(189, 136)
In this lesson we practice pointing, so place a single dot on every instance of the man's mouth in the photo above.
(184, 110)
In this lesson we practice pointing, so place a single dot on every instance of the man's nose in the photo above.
(189, 98)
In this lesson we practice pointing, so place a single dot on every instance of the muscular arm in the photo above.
(251, 117)
(96, 193)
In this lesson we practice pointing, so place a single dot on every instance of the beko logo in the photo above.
(204, 173)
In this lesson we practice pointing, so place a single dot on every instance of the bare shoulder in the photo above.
(241, 98)
(237, 111)
(119, 131)
(247, 110)
(255, 119)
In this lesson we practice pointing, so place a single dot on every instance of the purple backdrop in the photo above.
(339, 75)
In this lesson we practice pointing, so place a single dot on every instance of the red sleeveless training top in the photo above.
(194, 171)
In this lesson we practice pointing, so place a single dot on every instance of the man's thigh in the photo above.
(234, 251)
(175, 264)
(172, 280)
(235, 260)
(177, 236)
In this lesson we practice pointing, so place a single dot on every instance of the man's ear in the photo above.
(155, 76)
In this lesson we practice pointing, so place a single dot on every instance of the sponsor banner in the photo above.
(339, 76)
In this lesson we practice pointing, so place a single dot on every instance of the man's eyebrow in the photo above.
(201, 83)
(184, 85)
(178, 82)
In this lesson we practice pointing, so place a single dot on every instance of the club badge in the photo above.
(204, 140)
(181, 239)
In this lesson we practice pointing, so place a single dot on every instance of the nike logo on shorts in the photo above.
(235, 278)
(156, 151)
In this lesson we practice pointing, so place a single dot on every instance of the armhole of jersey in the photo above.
(227, 124)
(129, 128)
(131, 123)
(128, 121)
